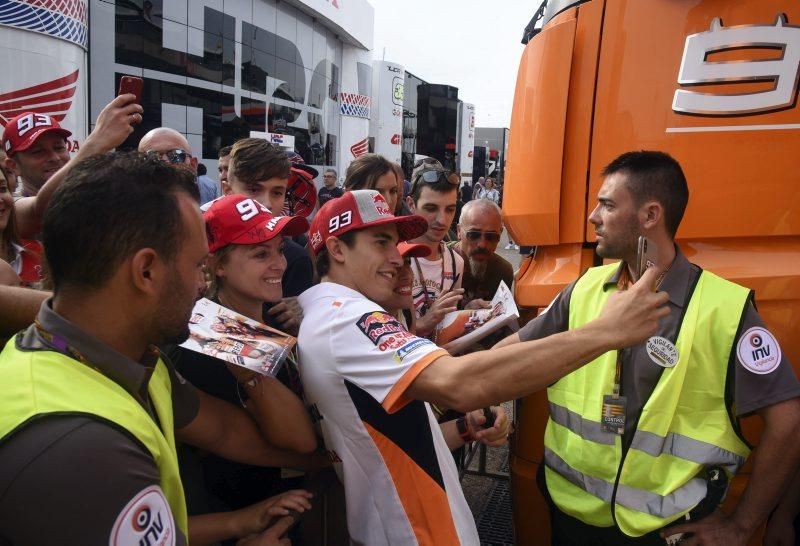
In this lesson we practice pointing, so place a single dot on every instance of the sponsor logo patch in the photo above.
(758, 351)
(410, 347)
(146, 520)
(384, 331)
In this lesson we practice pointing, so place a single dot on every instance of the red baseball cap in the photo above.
(413, 250)
(239, 220)
(25, 129)
(358, 210)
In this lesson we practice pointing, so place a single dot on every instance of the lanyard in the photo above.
(60, 344)
(624, 283)
(428, 302)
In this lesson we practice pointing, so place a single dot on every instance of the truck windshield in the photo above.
(554, 7)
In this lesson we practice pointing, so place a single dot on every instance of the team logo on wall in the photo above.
(53, 98)
(360, 148)
(354, 105)
(65, 19)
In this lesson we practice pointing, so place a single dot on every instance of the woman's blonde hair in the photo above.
(214, 283)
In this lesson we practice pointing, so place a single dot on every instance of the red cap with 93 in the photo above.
(360, 209)
(239, 220)
(25, 129)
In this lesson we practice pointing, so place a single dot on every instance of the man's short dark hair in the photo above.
(654, 176)
(442, 184)
(255, 160)
(201, 169)
(225, 151)
(323, 259)
(108, 208)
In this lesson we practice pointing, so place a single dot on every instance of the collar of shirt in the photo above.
(330, 290)
(675, 283)
(131, 375)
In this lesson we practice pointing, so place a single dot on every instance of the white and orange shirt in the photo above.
(356, 362)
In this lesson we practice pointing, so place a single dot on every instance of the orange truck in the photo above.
(714, 83)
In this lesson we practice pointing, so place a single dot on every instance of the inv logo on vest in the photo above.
(145, 521)
(758, 351)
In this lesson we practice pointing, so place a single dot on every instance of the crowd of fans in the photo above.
(102, 257)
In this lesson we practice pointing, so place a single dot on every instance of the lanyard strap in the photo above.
(422, 281)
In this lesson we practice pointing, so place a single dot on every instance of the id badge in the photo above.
(613, 417)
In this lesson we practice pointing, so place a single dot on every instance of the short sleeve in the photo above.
(374, 351)
(763, 374)
(554, 319)
(88, 482)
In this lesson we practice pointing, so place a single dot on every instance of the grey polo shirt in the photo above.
(68, 479)
(751, 391)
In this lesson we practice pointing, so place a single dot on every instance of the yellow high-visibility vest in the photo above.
(684, 426)
(39, 382)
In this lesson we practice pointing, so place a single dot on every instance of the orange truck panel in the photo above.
(714, 83)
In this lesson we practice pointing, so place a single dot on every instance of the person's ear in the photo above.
(651, 214)
(146, 270)
(411, 206)
(335, 249)
(12, 166)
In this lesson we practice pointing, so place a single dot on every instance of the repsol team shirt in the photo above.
(356, 362)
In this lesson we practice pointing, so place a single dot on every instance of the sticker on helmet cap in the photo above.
(758, 351)
(662, 351)
(146, 519)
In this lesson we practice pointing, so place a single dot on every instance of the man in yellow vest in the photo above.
(647, 437)
(89, 410)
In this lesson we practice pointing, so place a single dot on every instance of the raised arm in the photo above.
(113, 126)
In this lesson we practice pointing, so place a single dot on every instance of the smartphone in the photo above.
(131, 84)
(645, 256)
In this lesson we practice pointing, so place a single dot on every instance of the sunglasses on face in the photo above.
(490, 236)
(175, 157)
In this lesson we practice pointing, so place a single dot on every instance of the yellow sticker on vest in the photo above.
(758, 351)
(662, 351)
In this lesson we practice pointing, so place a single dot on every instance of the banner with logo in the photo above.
(355, 103)
(386, 124)
(466, 139)
(45, 64)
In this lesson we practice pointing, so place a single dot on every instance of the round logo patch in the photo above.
(662, 351)
(146, 519)
(758, 351)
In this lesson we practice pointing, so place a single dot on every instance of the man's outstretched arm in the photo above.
(491, 377)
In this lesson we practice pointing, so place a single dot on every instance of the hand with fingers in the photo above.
(718, 529)
(288, 314)
(631, 316)
(445, 303)
(497, 434)
(114, 124)
(260, 516)
(274, 536)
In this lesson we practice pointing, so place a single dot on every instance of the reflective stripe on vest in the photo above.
(37, 383)
(656, 482)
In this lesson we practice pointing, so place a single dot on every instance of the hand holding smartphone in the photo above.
(133, 85)
(645, 256)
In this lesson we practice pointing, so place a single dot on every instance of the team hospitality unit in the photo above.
(264, 362)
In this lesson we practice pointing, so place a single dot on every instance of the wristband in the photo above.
(464, 430)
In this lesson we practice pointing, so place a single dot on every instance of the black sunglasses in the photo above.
(176, 156)
(491, 236)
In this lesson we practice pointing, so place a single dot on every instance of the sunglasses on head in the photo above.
(176, 156)
(490, 236)
(431, 176)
